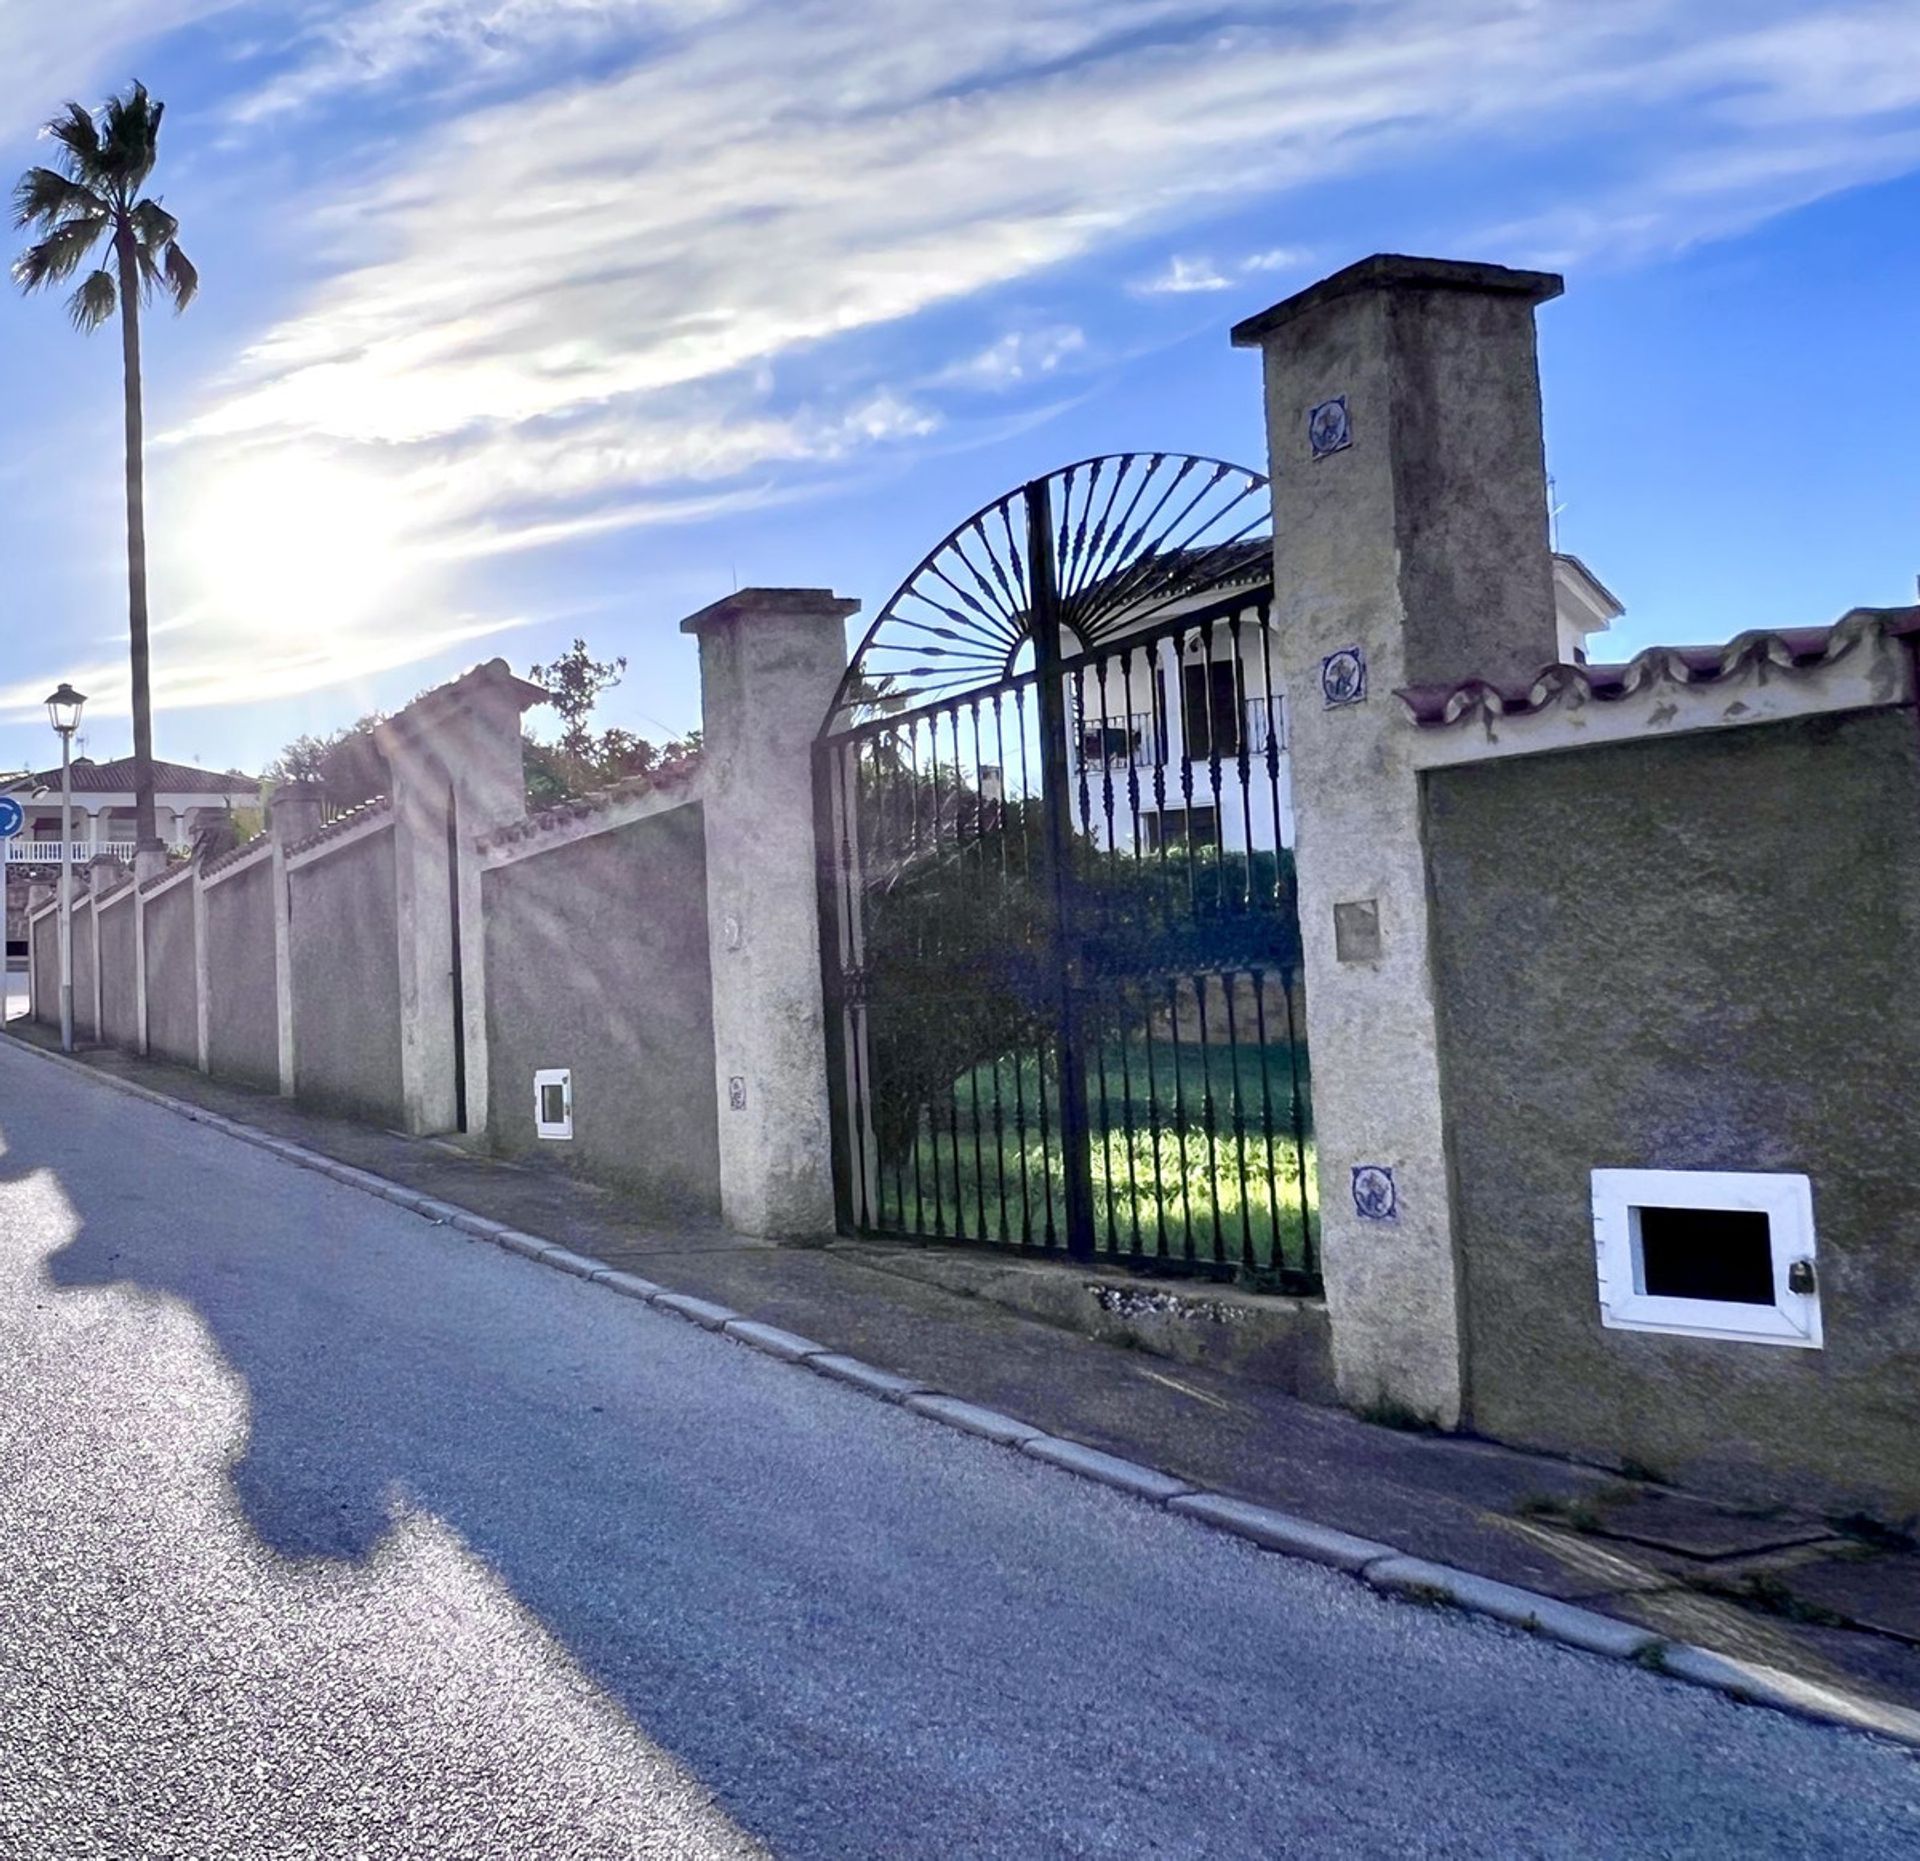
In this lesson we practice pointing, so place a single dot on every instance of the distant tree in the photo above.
(347, 763)
(93, 194)
(574, 683)
(581, 759)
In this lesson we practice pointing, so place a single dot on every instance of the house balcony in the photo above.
(1141, 739)
(47, 852)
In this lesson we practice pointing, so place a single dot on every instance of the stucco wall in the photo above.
(119, 995)
(46, 969)
(83, 954)
(596, 956)
(243, 1016)
(1697, 953)
(172, 1010)
(346, 979)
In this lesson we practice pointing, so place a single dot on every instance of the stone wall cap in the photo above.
(746, 603)
(1392, 271)
(494, 673)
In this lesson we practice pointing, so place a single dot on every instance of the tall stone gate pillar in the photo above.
(1410, 547)
(770, 661)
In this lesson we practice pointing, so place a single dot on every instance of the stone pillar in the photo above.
(456, 773)
(1410, 547)
(40, 894)
(202, 970)
(294, 811)
(105, 873)
(770, 660)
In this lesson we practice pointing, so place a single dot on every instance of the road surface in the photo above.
(326, 1532)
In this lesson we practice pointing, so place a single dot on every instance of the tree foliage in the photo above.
(582, 758)
(346, 763)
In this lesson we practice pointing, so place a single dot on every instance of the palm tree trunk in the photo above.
(144, 836)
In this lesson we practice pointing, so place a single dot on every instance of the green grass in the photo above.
(1193, 1155)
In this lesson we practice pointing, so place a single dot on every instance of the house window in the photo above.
(1707, 1254)
(553, 1102)
(1210, 707)
(1193, 827)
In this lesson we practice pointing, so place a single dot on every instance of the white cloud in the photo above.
(1181, 276)
(1019, 357)
(606, 298)
(73, 48)
(1277, 258)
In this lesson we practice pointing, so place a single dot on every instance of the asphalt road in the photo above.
(324, 1531)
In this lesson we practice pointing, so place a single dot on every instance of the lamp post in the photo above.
(63, 712)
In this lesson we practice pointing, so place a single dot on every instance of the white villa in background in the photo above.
(184, 798)
(1153, 721)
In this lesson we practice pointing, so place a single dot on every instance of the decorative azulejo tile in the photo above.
(1343, 677)
(1328, 428)
(1374, 1196)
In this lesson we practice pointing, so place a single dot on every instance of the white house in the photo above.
(184, 798)
(1151, 722)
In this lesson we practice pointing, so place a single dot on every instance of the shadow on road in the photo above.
(865, 1636)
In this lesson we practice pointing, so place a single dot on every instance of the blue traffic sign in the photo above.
(11, 817)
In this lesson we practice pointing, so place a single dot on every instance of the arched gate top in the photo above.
(1105, 545)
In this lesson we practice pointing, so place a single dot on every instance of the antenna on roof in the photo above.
(1554, 508)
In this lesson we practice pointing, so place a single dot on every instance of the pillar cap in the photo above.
(766, 603)
(1391, 271)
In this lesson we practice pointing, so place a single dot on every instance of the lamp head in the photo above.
(63, 709)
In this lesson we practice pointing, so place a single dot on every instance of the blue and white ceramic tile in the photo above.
(1328, 428)
(1374, 1196)
(1343, 676)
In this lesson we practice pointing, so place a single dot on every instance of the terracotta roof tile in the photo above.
(1791, 650)
(116, 776)
(353, 817)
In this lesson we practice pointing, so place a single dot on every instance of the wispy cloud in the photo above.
(1182, 276)
(621, 262)
(1016, 359)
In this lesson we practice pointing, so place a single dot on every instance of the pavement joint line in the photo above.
(1388, 1571)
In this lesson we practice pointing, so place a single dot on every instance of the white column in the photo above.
(1410, 546)
(770, 660)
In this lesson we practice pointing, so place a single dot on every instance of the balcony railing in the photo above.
(1139, 740)
(47, 852)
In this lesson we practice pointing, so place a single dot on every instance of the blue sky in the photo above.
(527, 318)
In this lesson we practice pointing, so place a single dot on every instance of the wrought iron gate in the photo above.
(1060, 939)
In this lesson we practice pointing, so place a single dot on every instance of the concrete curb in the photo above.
(1384, 1568)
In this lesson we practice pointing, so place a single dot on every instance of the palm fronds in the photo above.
(129, 139)
(60, 253)
(43, 196)
(94, 302)
(90, 194)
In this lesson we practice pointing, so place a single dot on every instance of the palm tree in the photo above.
(93, 195)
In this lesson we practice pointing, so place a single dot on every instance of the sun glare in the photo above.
(293, 542)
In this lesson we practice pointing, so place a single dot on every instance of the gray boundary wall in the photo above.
(596, 960)
(342, 934)
(168, 918)
(44, 934)
(85, 1026)
(1689, 953)
(117, 926)
(243, 1036)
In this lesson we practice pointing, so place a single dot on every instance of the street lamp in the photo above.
(63, 713)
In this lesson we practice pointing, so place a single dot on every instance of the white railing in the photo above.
(22, 852)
